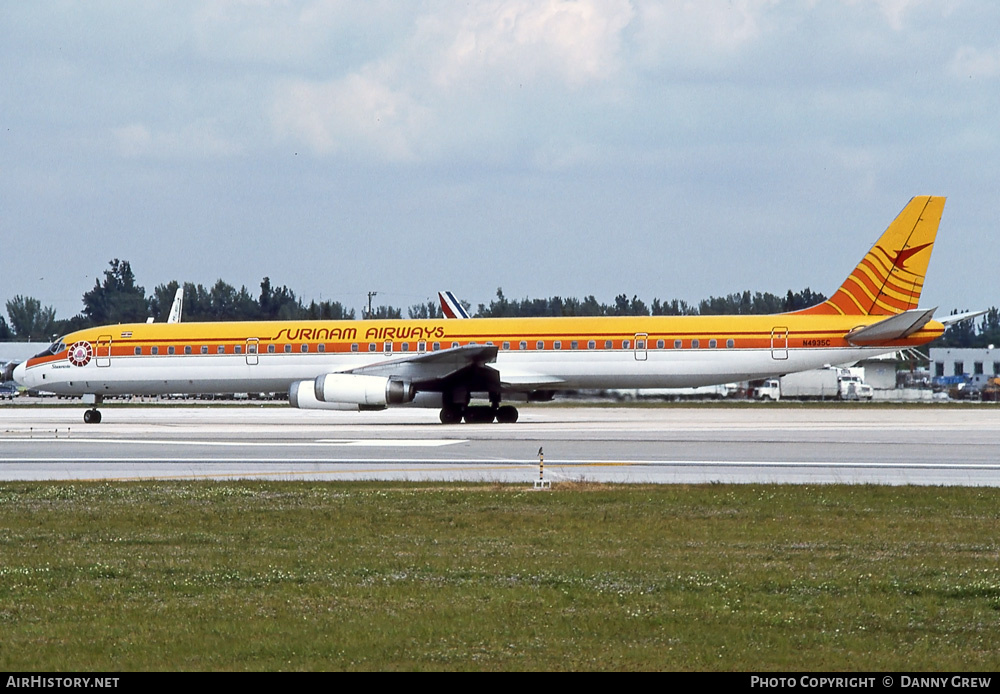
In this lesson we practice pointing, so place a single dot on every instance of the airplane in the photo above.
(492, 362)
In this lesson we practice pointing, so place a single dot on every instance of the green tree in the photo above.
(674, 307)
(118, 299)
(278, 304)
(961, 334)
(424, 311)
(328, 310)
(29, 320)
(382, 312)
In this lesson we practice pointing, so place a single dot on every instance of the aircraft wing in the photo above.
(893, 328)
(431, 370)
(519, 380)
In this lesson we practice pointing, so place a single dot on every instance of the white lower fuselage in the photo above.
(520, 371)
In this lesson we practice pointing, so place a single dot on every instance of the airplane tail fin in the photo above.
(451, 306)
(889, 279)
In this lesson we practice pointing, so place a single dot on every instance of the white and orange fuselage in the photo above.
(532, 353)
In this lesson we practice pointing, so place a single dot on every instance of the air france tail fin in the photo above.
(889, 279)
(451, 306)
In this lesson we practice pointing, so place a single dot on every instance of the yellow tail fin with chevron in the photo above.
(889, 279)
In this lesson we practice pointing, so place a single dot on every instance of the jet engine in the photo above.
(302, 395)
(365, 391)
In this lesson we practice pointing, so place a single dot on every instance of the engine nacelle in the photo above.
(366, 391)
(302, 394)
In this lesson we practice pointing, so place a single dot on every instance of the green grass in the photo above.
(306, 576)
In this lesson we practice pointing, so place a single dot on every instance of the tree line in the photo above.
(119, 299)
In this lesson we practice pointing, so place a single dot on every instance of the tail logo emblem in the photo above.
(905, 254)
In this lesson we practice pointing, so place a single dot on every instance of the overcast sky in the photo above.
(664, 149)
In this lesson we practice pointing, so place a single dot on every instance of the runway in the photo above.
(922, 445)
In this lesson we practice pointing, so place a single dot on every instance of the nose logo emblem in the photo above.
(80, 354)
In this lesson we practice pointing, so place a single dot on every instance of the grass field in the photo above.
(388, 576)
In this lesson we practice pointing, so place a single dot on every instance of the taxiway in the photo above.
(922, 445)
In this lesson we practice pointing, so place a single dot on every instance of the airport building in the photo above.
(958, 361)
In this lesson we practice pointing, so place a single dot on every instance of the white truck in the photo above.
(817, 384)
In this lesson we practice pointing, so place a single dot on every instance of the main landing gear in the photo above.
(478, 414)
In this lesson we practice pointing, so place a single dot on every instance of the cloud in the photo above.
(973, 62)
(471, 61)
(573, 42)
(198, 140)
(358, 111)
(698, 32)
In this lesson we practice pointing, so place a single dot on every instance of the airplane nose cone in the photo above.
(19, 374)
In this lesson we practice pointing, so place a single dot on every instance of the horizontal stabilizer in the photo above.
(959, 317)
(896, 327)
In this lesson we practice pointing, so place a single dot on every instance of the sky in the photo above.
(672, 150)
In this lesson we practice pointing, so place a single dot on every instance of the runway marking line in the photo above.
(505, 464)
(362, 443)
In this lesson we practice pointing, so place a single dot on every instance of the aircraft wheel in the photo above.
(92, 417)
(451, 415)
(479, 414)
(507, 414)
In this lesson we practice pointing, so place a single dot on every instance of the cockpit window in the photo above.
(55, 348)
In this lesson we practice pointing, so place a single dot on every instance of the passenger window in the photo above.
(436, 346)
(304, 348)
(695, 344)
(626, 344)
(659, 344)
(187, 349)
(557, 344)
(730, 343)
(712, 344)
(609, 344)
(154, 350)
(522, 345)
(204, 349)
(574, 345)
(592, 345)
(138, 351)
(270, 349)
(506, 345)
(539, 345)
(221, 349)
